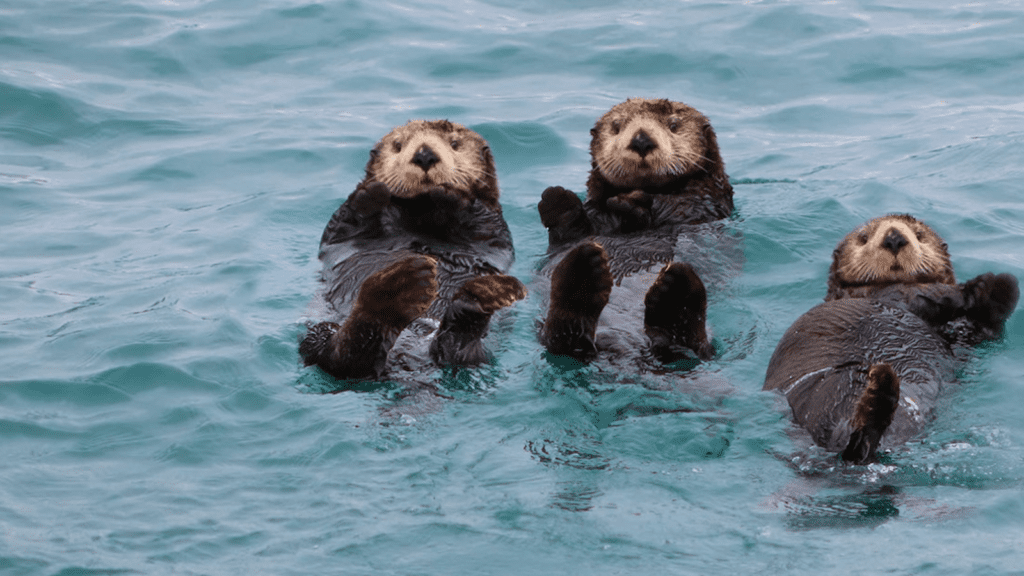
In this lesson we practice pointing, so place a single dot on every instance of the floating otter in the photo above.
(865, 368)
(421, 235)
(656, 173)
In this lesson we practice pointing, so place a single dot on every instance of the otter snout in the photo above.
(642, 143)
(425, 157)
(894, 241)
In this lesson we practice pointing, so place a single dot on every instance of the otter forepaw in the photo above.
(438, 206)
(580, 287)
(558, 207)
(634, 208)
(561, 212)
(371, 200)
(448, 200)
(873, 414)
(675, 313)
(991, 298)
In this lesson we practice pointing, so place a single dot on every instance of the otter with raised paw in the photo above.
(656, 175)
(863, 370)
(422, 237)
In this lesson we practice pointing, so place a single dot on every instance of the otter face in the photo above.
(643, 142)
(893, 249)
(422, 154)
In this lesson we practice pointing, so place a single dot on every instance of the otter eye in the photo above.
(455, 144)
(397, 146)
(673, 124)
(863, 238)
(920, 236)
(616, 127)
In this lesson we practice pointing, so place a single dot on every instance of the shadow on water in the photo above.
(315, 381)
(443, 382)
(604, 421)
(868, 509)
(828, 493)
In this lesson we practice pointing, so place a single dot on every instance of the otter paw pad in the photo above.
(493, 292)
(399, 293)
(582, 281)
(675, 311)
(873, 413)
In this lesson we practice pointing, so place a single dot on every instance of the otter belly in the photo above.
(822, 361)
(620, 329)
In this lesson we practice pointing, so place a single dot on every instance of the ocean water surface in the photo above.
(167, 168)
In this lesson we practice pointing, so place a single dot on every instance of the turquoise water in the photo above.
(166, 170)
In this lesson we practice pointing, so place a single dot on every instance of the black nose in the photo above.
(642, 143)
(425, 158)
(894, 241)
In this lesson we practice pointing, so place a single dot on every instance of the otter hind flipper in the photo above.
(873, 414)
(458, 340)
(580, 287)
(675, 313)
(318, 337)
(388, 301)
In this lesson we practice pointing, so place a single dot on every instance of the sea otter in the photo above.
(656, 175)
(864, 369)
(421, 235)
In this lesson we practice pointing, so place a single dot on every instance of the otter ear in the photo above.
(711, 146)
(374, 153)
(486, 157)
(834, 289)
(709, 132)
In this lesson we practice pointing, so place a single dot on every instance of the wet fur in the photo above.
(422, 238)
(864, 369)
(685, 167)
(656, 173)
(861, 264)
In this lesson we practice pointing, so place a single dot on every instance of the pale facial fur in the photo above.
(678, 146)
(892, 249)
(450, 158)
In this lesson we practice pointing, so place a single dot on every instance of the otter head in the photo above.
(423, 155)
(644, 143)
(893, 249)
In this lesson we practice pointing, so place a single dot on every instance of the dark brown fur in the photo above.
(422, 235)
(655, 169)
(865, 368)
(580, 287)
(873, 413)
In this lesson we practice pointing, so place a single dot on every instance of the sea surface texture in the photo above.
(167, 168)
